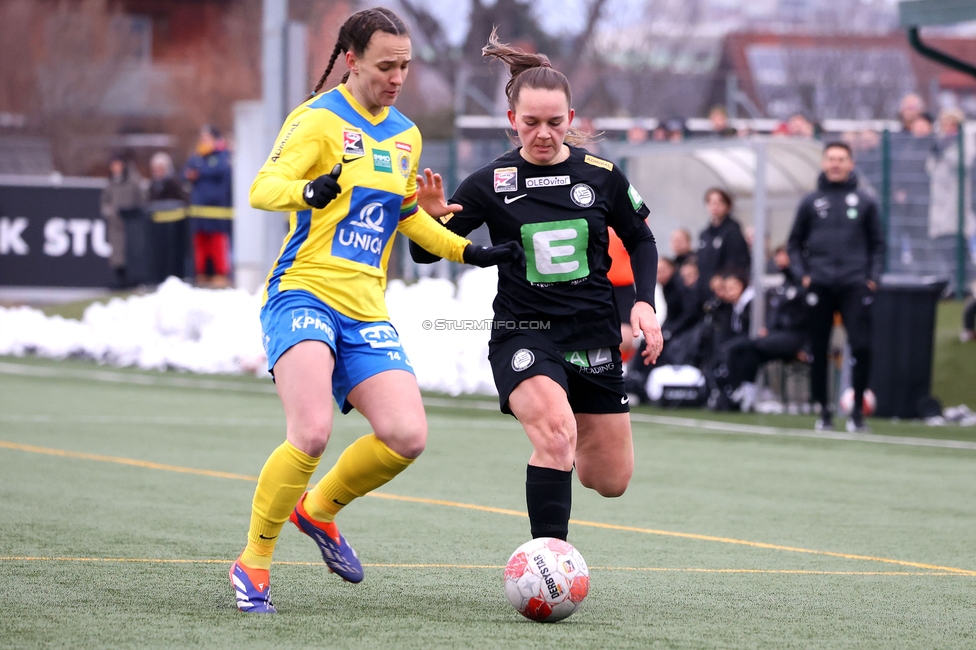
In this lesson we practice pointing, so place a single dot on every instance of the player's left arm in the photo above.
(628, 217)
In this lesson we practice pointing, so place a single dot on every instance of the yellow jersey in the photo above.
(340, 253)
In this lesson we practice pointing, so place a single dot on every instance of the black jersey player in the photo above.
(554, 347)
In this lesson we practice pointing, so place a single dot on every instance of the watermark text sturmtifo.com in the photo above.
(441, 324)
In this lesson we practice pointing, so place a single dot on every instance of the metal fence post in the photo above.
(961, 217)
(759, 195)
(886, 191)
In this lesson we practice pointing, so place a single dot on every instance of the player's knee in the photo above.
(558, 438)
(606, 485)
(311, 436)
(407, 437)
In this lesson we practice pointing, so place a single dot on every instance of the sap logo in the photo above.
(370, 217)
(309, 318)
(380, 336)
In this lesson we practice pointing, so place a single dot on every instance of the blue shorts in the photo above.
(361, 349)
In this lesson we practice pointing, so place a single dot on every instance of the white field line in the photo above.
(729, 428)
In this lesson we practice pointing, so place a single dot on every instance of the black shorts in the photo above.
(593, 379)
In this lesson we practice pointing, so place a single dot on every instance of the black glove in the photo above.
(320, 192)
(493, 255)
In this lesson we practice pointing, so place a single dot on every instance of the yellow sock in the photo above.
(282, 481)
(364, 466)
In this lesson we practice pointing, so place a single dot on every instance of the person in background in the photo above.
(922, 126)
(731, 331)
(783, 337)
(719, 118)
(123, 198)
(910, 108)
(968, 332)
(210, 211)
(721, 245)
(796, 125)
(681, 246)
(837, 249)
(942, 166)
(167, 205)
(674, 129)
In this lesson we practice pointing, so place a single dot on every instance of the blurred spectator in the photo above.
(837, 248)
(909, 108)
(122, 199)
(210, 210)
(719, 118)
(659, 134)
(721, 245)
(779, 262)
(636, 135)
(796, 125)
(680, 246)
(674, 127)
(968, 332)
(729, 334)
(943, 169)
(167, 204)
(783, 337)
(922, 126)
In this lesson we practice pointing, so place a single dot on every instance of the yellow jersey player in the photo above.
(345, 166)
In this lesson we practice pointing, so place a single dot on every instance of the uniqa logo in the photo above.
(370, 217)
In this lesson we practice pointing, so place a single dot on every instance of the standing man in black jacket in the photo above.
(837, 248)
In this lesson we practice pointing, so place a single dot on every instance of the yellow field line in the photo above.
(28, 558)
(124, 461)
(502, 511)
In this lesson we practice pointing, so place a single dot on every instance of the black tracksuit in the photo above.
(721, 248)
(837, 241)
(786, 324)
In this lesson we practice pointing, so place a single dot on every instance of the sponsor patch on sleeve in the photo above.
(635, 198)
(598, 162)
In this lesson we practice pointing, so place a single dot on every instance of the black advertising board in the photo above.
(52, 233)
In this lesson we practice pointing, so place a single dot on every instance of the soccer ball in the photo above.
(847, 402)
(546, 579)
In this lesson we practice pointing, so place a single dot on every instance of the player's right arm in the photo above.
(461, 220)
(280, 185)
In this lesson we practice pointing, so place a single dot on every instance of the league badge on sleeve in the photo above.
(403, 163)
(506, 179)
(352, 143)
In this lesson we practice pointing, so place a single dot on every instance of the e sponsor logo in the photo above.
(555, 251)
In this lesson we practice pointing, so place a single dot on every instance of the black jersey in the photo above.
(560, 214)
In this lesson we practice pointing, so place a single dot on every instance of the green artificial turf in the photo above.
(721, 541)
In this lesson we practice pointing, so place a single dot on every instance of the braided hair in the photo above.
(355, 33)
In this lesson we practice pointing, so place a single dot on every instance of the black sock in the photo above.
(549, 497)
